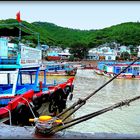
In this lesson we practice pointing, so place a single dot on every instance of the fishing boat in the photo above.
(22, 95)
(77, 65)
(89, 66)
(100, 67)
(131, 73)
(60, 69)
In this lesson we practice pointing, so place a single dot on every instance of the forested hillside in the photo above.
(51, 34)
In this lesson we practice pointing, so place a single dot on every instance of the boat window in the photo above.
(26, 79)
(124, 68)
(136, 68)
(117, 69)
(130, 69)
(4, 78)
(109, 57)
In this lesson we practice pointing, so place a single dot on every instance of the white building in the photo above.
(95, 53)
(138, 51)
(123, 49)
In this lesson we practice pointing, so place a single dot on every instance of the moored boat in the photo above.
(22, 95)
(110, 70)
(77, 64)
(60, 69)
(100, 67)
(133, 72)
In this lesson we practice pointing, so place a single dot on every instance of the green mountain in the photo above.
(51, 34)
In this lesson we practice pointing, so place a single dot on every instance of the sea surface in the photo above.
(122, 120)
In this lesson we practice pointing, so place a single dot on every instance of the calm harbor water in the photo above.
(124, 120)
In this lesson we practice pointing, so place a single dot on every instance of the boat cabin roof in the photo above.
(122, 65)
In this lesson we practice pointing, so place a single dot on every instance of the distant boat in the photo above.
(100, 65)
(133, 72)
(53, 58)
(60, 69)
(77, 65)
(111, 69)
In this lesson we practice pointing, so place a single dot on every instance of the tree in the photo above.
(125, 55)
(71, 58)
(133, 50)
(92, 44)
(79, 50)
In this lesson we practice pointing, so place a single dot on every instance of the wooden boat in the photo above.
(53, 58)
(77, 65)
(133, 72)
(89, 65)
(22, 95)
(98, 71)
(100, 67)
(55, 68)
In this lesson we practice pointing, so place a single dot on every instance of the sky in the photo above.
(84, 15)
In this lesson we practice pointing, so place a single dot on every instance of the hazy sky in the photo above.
(78, 15)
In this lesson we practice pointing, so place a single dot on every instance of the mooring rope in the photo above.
(10, 117)
(94, 114)
(29, 106)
